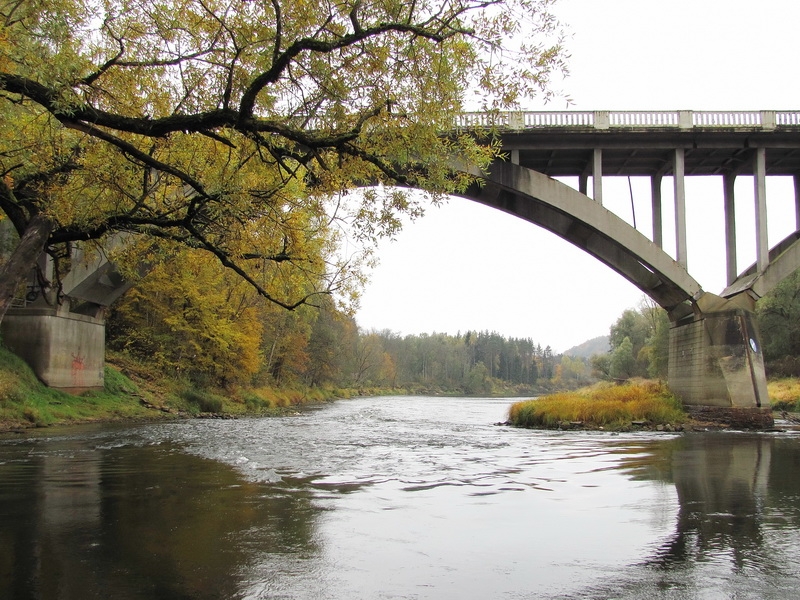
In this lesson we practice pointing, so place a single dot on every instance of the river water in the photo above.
(396, 498)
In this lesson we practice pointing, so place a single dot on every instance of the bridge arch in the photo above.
(784, 259)
(715, 357)
(573, 216)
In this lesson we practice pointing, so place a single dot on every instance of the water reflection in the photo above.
(370, 500)
(736, 529)
(722, 484)
(138, 522)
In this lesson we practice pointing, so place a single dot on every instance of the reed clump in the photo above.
(603, 405)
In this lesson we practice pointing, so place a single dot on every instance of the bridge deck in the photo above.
(561, 144)
(650, 153)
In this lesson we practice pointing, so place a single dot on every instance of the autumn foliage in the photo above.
(237, 128)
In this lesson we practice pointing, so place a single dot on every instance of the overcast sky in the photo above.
(464, 266)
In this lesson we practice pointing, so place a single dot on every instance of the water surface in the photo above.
(407, 498)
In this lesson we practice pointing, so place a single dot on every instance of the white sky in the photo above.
(464, 266)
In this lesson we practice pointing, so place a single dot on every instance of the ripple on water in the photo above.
(409, 498)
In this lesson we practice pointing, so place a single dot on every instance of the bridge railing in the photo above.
(675, 119)
(558, 119)
(728, 119)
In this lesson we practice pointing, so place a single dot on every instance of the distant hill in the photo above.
(589, 348)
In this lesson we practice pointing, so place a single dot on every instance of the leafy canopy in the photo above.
(230, 125)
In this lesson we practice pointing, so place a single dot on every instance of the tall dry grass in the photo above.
(784, 394)
(602, 405)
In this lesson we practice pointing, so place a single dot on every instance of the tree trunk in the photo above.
(23, 259)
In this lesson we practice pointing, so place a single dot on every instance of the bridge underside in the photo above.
(715, 351)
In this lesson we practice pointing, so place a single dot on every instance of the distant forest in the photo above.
(332, 351)
(198, 324)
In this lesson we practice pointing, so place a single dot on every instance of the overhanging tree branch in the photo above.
(229, 101)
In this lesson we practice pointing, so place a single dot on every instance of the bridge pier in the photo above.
(66, 350)
(61, 333)
(716, 365)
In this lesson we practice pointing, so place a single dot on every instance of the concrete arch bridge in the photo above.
(715, 350)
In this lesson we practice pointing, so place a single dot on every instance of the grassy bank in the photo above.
(25, 402)
(135, 391)
(604, 405)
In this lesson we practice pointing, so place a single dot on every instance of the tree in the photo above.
(227, 125)
(548, 363)
(601, 365)
(647, 329)
(191, 318)
(571, 371)
(634, 325)
(478, 380)
(623, 363)
(778, 316)
(658, 348)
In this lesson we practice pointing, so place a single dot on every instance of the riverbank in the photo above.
(642, 405)
(134, 392)
(137, 392)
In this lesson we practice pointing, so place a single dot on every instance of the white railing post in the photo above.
(516, 120)
(685, 120)
(768, 119)
(787, 118)
(602, 119)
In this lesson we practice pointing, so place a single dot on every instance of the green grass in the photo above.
(133, 391)
(203, 401)
(26, 402)
(603, 405)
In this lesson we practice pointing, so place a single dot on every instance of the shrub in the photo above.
(117, 383)
(33, 415)
(204, 401)
(255, 403)
(9, 388)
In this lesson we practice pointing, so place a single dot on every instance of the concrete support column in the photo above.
(583, 184)
(597, 175)
(680, 208)
(768, 119)
(65, 350)
(515, 157)
(602, 119)
(730, 227)
(655, 198)
(715, 360)
(762, 244)
(46, 268)
(797, 202)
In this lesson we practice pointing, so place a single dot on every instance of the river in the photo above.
(396, 498)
